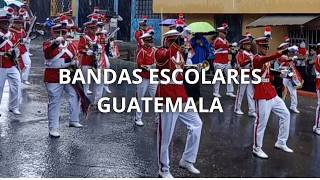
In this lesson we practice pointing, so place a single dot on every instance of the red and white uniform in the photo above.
(267, 101)
(287, 82)
(317, 69)
(168, 119)
(221, 62)
(104, 64)
(139, 33)
(9, 71)
(25, 60)
(145, 56)
(86, 61)
(59, 58)
(244, 59)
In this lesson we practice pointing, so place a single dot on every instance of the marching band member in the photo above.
(86, 48)
(9, 65)
(59, 53)
(286, 63)
(221, 46)
(104, 62)
(316, 127)
(143, 28)
(171, 58)
(244, 59)
(267, 101)
(20, 34)
(145, 59)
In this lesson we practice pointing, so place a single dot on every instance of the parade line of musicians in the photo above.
(178, 50)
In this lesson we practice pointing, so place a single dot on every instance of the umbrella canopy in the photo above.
(168, 22)
(14, 2)
(201, 27)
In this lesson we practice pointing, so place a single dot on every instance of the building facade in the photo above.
(252, 17)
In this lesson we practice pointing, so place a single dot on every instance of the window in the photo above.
(310, 35)
(144, 8)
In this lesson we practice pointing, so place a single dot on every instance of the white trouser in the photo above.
(264, 108)
(27, 62)
(292, 91)
(224, 68)
(317, 121)
(142, 88)
(249, 89)
(86, 86)
(55, 91)
(14, 79)
(166, 128)
(27, 45)
(97, 92)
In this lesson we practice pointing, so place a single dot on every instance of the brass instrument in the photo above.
(97, 53)
(205, 65)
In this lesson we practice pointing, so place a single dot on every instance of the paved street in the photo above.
(111, 146)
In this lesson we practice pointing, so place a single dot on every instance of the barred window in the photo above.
(58, 6)
(144, 8)
(309, 35)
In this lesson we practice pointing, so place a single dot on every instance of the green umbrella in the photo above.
(201, 27)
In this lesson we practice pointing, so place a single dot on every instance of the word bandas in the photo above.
(109, 76)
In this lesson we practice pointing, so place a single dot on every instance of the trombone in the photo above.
(204, 65)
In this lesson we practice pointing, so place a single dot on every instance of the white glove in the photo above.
(59, 39)
(89, 52)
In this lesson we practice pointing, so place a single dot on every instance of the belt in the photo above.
(265, 80)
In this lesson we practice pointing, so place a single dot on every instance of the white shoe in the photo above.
(284, 148)
(231, 95)
(316, 130)
(30, 54)
(89, 92)
(295, 111)
(217, 95)
(26, 82)
(54, 133)
(239, 112)
(139, 122)
(252, 115)
(259, 153)
(107, 89)
(165, 174)
(75, 124)
(15, 112)
(188, 166)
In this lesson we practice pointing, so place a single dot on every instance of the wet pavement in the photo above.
(110, 145)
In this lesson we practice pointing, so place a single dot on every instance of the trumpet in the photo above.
(205, 65)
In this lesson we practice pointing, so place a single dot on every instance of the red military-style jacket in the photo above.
(57, 58)
(19, 35)
(145, 56)
(221, 47)
(7, 42)
(264, 90)
(284, 61)
(244, 59)
(83, 45)
(138, 34)
(102, 38)
(317, 68)
(164, 61)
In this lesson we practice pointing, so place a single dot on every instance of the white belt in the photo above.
(222, 52)
(265, 80)
(2, 53)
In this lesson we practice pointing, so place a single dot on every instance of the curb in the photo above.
(307, 94)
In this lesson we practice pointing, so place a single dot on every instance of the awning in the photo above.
(282, 20)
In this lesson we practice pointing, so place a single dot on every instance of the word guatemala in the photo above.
(109, 76)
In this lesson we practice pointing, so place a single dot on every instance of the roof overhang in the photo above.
(282, 20)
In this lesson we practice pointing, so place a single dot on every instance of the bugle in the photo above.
(204, 65)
